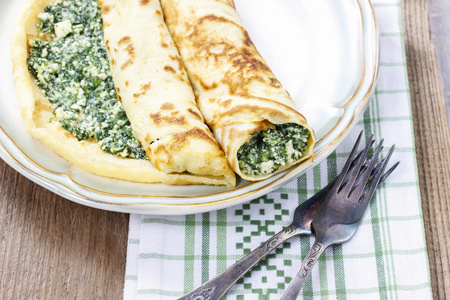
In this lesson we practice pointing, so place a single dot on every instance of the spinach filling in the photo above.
(267, 150)
(72, 69)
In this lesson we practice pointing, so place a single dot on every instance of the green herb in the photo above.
(71, 67)
(267, 150)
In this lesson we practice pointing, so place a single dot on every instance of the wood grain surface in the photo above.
(51, 248)
(439, 15)
(432, 141)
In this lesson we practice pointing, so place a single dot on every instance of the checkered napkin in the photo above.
(386, 259)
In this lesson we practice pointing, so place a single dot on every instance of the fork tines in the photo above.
(357, 182)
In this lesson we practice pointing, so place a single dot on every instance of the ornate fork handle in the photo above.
(308, 263)
(218, 286)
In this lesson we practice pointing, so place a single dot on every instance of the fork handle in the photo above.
(299, 279)
(215, 288)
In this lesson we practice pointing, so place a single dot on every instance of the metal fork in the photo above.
(301, 225)
(338, 218)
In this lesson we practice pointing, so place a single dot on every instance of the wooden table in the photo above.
(51, 248)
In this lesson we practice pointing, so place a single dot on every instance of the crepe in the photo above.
(236, 91)
(159, 102)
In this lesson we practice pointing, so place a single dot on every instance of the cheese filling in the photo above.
(270, 149)
(72, 69)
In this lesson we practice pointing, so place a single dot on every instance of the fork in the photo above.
(301, 225)
(339, 217)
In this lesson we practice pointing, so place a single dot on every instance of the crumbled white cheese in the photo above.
(44, 16)
(42, 79)
(77, 28)
(63, 28)
(124, 153)
(75, 107)
(80, 93)
(54, 67)
(266, 167)
(71, 89)
(290, 151)
(116, 108)
(59, 113)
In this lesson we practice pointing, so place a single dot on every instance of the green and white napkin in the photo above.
(386, 259)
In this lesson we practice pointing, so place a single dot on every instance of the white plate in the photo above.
(325, 52)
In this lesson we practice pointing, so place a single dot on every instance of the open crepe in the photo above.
(237, 93)
(152, 85)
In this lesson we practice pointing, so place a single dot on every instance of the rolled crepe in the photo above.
(181, 147)
(155, 91)
(236, 91)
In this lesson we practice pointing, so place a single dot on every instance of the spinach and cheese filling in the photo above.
(267, 150)
(72, 69)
